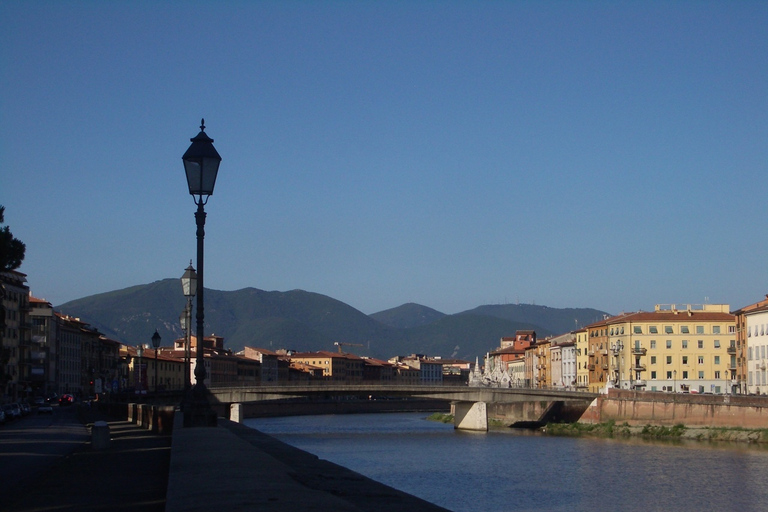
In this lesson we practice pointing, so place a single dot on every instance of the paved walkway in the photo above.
(131, 474)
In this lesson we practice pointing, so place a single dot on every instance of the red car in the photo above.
(66, 400)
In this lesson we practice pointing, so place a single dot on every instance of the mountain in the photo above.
(558, 321)
(305, 321)
(407, 316)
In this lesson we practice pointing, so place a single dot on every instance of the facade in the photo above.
(43, 342)
(582, 359)
(757, 350)
(269, 363)
(15, 349)
(675, 348)
(346, 368)
(741, 350)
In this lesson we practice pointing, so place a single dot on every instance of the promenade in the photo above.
(229, 467)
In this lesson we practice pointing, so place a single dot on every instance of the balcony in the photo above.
(591, 367)
(638, 367)
(731, 351)
(605, 366)
(639, 384)
(604, 351)
(638, 351)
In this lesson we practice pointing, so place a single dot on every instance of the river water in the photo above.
(505, 470)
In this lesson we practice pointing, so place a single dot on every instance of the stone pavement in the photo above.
(131, 474)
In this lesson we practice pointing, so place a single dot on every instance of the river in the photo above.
(506, 470)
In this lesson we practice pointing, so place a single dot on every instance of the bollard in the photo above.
(100, 439)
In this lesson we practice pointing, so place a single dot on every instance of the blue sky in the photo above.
(571, 154)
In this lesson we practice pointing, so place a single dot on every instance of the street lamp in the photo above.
(156, 344)
(674, 382)
(201, 165)
(188, 286)
(140, 353)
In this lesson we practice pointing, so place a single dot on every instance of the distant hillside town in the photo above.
(674, 348)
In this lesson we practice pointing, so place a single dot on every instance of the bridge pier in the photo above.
(470, 416)
(236, 413)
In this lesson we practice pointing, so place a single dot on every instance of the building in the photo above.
(43, 353)
(743, 353)
(340, 368)
(582, 359)
(430, 369)
(675, 348)
(16, 347)
(269, 363)
(756, 326)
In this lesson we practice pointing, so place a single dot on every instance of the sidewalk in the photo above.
(132, 474)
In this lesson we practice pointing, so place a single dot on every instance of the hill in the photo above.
(407, 316)
(305, 321)
(558, 321)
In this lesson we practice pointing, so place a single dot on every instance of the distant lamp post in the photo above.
(674, 381)
(156, 345)
(140, 353)
(189, 287)
(201, 165)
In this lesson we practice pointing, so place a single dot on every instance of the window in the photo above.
(669, 343)
(669, 375)
(701, 375)
(653, 375)
(685, 343)
(685, 374)
(732, 329)
(638, 329)
(715, 329)
(653, 359)
(717, 343)
(750, 353)
(701, 359)
(701, 343)
(684, 329)
(717, 359)
(653, 330)
(668, 329)
(717, 375)
(669, 359)
(685, 359)
(653, 343)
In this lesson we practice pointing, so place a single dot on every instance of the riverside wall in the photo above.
(640, 408)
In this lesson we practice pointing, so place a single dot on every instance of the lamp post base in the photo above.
(197, 408)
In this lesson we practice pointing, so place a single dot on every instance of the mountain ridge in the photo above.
(307, 321)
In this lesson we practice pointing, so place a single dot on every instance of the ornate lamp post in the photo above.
(156, 345)
(201, 164)
(140, 353)
(189, 287)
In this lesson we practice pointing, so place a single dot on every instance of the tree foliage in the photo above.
(11, 249)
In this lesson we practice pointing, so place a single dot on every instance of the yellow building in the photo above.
(346, 368)
(675, 348)
(582, 359)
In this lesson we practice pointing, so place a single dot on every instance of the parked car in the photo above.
(38, 401)
(25, 408)
(66, 399)
(12, 411)
(45, 409)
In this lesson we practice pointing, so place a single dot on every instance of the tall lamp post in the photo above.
(201, 165)
(188, 286)
(156, 345)
(140, 353)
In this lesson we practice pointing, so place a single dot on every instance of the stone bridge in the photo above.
(472, 407)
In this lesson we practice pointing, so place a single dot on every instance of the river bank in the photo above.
(611, 429)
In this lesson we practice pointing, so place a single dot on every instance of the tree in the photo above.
(11, 249)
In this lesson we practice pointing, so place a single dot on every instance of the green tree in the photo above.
(11, 249)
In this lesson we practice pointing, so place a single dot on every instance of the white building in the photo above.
(757, 351)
